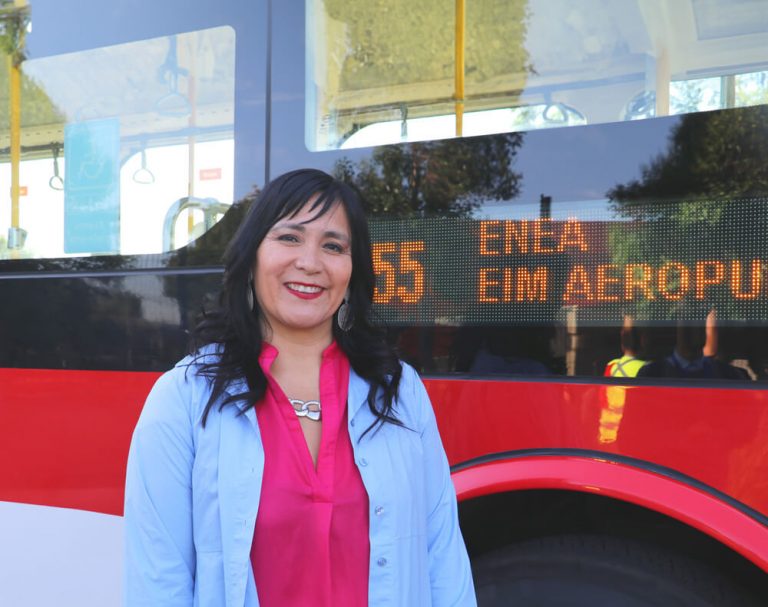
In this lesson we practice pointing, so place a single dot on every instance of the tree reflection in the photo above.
(705, 197)
(449, 178)
(713, 154)
(703, 200)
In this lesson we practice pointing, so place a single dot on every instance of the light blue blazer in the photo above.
(192, 496)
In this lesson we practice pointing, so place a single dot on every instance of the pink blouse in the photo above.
(310, 545)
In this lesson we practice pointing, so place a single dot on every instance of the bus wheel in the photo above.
(592, 571)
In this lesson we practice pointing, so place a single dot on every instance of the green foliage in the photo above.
(448, 178)
(37, 107)
(393, 42)
(705, 198)
(752, 89)
(710, 155)
(13, 25)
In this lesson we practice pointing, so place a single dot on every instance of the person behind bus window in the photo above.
(293, 460)
(694, 355)
(629, 363)
(503, 351)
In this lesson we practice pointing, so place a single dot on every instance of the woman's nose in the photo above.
(308, 259)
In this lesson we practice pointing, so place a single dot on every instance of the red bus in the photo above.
(568, 205)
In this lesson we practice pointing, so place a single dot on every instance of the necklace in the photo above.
(306, 408)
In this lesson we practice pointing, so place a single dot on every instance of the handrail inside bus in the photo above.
(209, 206)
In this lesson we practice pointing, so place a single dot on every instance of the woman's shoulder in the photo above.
(204, 355)
(190, 372)
(183, 390)
(409, 377)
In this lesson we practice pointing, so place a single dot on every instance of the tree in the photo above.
(395, 42)
(13, 24)
(710, 154)
(380, 60)
(447, 178)
(704, 198)
(38, 109)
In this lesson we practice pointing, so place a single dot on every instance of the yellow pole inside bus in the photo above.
(192, 96)
(459, 75)
(14, 77)
(15, 85)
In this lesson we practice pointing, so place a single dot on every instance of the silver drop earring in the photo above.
(249, 293)
(344, 315)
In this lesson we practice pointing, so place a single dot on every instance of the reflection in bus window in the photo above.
(112, 138)
(520, 65)
(639, 276)
(485, 122)
(681, 236)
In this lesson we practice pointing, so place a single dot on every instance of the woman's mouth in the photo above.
(304, 291)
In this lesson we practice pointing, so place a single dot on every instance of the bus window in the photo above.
(390, 73)
(124, 149)
(732, 90)
(478, 267)
(484, 122)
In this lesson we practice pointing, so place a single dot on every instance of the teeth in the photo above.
(303, 288)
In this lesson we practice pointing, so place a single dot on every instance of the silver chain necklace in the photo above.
(306, 408)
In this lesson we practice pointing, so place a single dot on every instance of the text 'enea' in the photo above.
(531, 236)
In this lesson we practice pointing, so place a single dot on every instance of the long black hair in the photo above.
(236, 329)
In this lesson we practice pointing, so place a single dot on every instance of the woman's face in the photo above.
(302, 270)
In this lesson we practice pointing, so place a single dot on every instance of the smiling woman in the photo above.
(294, 434)
(302, 272)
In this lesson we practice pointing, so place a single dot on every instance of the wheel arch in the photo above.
(535, 484)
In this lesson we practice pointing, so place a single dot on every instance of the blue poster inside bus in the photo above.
(92, 187)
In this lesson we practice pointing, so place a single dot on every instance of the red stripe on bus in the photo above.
(714, 435)
(64, 436)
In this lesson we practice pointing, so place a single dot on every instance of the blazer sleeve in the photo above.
(449, 569)
(159, 549)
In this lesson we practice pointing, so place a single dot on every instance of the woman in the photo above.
(293, 460)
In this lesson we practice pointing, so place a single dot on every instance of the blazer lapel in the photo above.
(358, 393)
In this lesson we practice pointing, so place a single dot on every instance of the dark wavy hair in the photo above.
(236, 330)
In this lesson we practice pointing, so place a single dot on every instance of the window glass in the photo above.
(387, 72)
(680, 284)
(123, 149)
(651, 261)
(648, 259)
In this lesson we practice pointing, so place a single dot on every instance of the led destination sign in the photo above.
(477, 271)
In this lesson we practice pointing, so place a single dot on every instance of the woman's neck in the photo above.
(298, 345)
(297, 366)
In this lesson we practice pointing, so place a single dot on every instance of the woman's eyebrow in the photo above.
(300, 227)
(289, 226)
(336, 235)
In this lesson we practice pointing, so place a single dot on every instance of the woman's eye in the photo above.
(287, 238)
(335, 247)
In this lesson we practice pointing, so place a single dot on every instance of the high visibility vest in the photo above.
(626, 366)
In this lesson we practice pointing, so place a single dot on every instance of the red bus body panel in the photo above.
(716, 436)
(695, 507)
(64, 438)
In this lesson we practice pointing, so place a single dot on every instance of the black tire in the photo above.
(594, 571)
